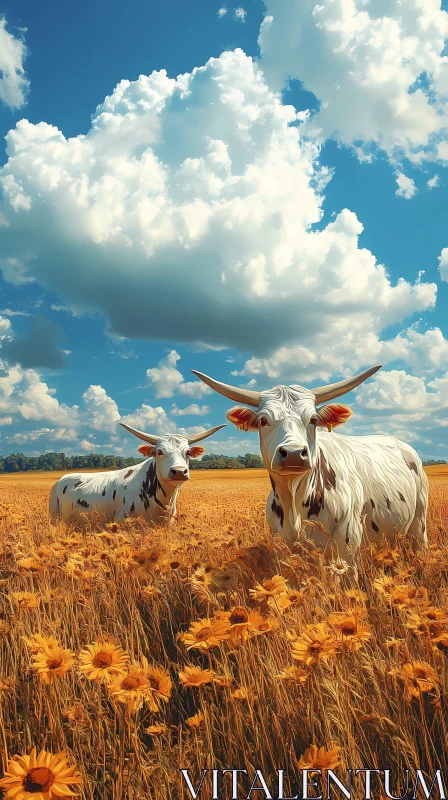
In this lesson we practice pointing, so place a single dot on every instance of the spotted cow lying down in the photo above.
(148, 489)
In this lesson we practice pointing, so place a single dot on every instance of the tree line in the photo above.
(47, 462)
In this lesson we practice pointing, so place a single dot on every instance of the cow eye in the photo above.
(160, 452)
(314, 419)
(188, 453)
(263, 422)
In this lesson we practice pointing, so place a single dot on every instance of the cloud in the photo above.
(202, 193)
(101, 411)
(406, 187)
(192, 410)
(443, 264)
(14, 85)
(166, 379)
(53, 434)
(377, 69)
(222, 12)
(433, 182)
(14, 270)
(240, 14)
(426, 352)
(150, 419)
(5, 421)
(38, 347)
(37, 401)
(89, 447)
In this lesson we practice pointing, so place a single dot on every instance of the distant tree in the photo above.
(47, 462)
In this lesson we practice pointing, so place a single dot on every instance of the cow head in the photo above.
(172, 453)
(287, 418)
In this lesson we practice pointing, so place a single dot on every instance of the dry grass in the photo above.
(259, 713)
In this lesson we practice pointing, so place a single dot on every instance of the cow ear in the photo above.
(243, 418)
(197, 451)
(332, 415)
(147, 450)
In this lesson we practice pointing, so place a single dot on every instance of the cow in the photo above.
(148, 489)
(343, 485)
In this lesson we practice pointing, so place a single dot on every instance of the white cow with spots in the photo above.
(148, 489)
(345, 484)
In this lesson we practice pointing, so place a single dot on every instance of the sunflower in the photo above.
(26, 600)
(205, 633)
(130, 689)
(201, 577)
(338, 568)
(194, 676)
(355, 596)
(240, 694)
(349, 629)
(316, 643)
(52, 661)
(103, 661)
(78, 719)
(156, 730)
(319, 758)
(271, 587)
(150, 591)
(43, 777)
(30, 564)
(196, 721)
(418, 678)
(386, 557)
(160, 685)
(297, 674)
(420, 625)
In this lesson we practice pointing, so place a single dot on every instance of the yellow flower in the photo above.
(30, 564)
(355, 596)
(43, 777)
(196, 721)
(160, 685)
(155, 730)
(102, 661)
(130, 689)
(52, 661)
(352, 633)
(315, 643)
(4, 627)
(77, 717)
(194, 676)
(418, 677)
(272, 587)
(150, 591)
(319, 758)
(240, 694)
(26, 599)
(205, 633)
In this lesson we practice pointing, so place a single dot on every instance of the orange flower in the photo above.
(205, 634)
(194, 676)
(103, 661)
(297, 674)
(272, 587)
(418, 678)
(353, 634)
(320, 758)
(44, 776)
(52, 661)
(316, 643)
(196, 721)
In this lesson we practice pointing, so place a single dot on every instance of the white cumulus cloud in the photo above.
(13, 83)
(406, 186)
(202, 194)
(378, 69)
(101, 410)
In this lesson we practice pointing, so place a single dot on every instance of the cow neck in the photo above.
(167, 495)
(290, 489)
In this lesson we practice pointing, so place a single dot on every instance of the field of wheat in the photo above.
(210, 644)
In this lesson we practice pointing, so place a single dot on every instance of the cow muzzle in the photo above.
(292, 459)
(178, 474)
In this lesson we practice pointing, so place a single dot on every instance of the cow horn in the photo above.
(147, 437)
(325, 393)
(232, 392)
(197, 437)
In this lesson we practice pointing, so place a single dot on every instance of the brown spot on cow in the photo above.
(388, 503)
(83, 503)
(375, 527)
(132, 508)
(129, 472)
(78, 483)
(114, 494)
(403, 499)
(103, 493)
(372, 503)
(64, 489)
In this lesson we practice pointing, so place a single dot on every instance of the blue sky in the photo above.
(276, 215)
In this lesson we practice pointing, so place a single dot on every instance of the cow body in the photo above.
(148, 489)
(345, 485)
(374, 484)
(129, 492)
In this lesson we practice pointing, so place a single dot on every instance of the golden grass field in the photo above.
(212, 645)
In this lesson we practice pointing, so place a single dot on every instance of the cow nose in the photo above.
(293, 457)
(178, 473)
